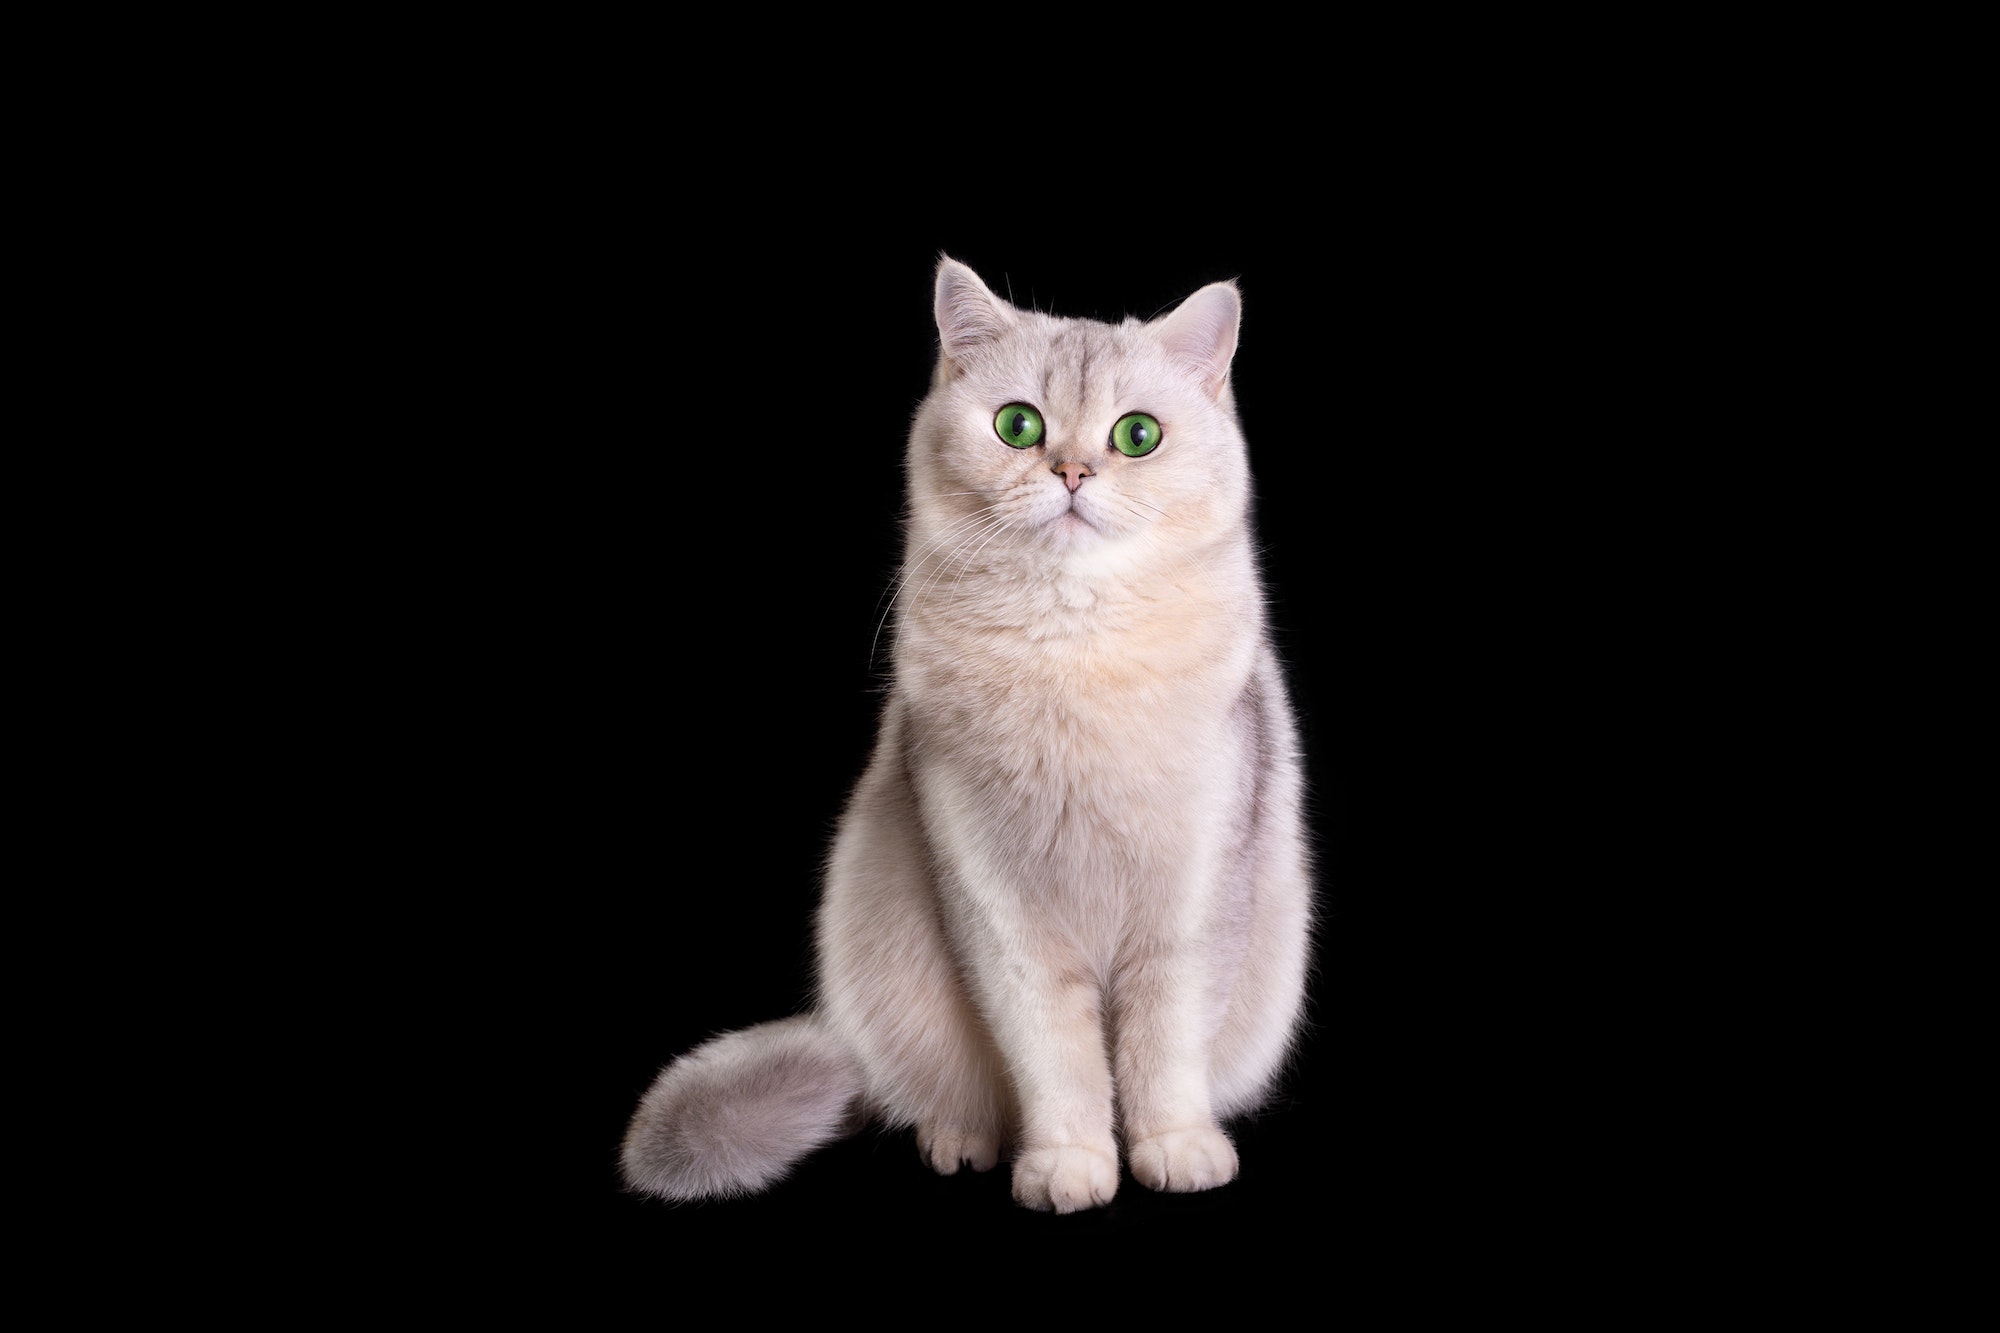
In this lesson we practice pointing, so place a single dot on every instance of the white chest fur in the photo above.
(1094, 767)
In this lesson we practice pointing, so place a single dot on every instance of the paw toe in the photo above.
(946, 1148)
(1181, 1161)
(1065, 1179)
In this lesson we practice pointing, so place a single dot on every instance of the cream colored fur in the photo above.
(1068, 908)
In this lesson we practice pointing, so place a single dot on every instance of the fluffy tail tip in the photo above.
(732, 1116)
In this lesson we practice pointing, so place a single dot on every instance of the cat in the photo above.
(1069, 903)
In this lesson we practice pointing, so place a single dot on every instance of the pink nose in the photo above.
(1072, 474)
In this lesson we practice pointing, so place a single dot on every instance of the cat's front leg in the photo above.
(1052, 1032)
(1046, 1015)
(1172, 1139)
(1038, 992)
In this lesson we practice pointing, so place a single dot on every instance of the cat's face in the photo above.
(1071, 437)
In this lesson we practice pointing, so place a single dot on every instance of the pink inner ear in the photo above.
(1201, 332)
(968, 313)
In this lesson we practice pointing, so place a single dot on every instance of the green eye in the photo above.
(1135, 434)
(1019, 425)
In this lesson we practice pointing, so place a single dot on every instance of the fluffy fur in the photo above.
(1068, 905)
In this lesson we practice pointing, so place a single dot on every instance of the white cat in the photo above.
(1070, 901)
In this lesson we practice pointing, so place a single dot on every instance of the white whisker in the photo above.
(913, 563)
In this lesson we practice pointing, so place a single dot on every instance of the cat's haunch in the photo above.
(1068, 906)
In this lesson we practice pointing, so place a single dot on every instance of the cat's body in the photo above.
(1070, 900)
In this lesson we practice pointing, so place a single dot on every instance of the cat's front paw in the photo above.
(1181, 1161)
(947, 1147)
(1065, 1179)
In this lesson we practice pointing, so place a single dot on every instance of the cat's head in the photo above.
(1075, 437)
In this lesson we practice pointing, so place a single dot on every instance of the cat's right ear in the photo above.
(968, 313)
(1200, 333)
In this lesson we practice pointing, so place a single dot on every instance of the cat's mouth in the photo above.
(1074, 522)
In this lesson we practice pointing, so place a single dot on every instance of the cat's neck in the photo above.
(1107, 599)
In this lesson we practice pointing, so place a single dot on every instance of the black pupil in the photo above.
(1138, 433)
(1019, 425)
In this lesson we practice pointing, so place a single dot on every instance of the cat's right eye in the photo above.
(1136, 434)
(1019, 425)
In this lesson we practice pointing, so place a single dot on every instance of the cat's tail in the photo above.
(735, 1114)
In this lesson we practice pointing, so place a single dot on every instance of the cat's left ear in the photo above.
(1200, 333)
(968, 313)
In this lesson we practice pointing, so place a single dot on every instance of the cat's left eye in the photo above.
(1019, 425)
(1135, 434)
